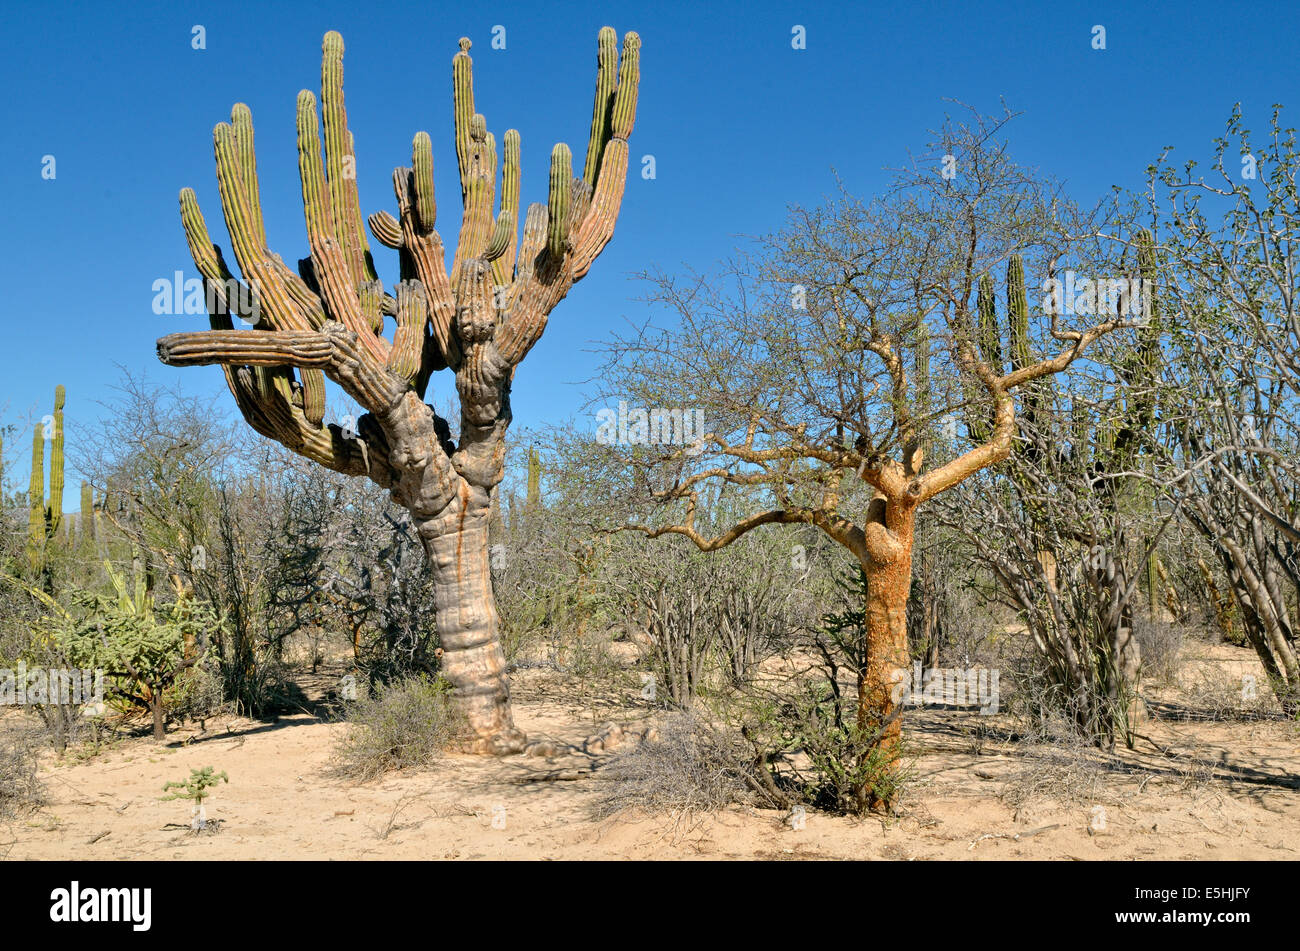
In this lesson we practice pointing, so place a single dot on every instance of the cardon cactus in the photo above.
(45, 518)
(86, 524)
(36, 504)
(534, 497)
(54, 509)
(477, 319)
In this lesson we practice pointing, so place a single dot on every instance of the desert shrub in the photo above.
(401, 725)
(1060, 765)
(1160, 643)
(690, 767)
(199, 694)
(810, 748)
(813, 742)
(1214, 694)
(20, 789)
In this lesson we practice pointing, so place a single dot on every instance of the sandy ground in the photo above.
(1213, 790)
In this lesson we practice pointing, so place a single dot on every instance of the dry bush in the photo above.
(1160, 643)
(1214, 694)
(1061, 766)
(401, 725)
(691, 767)
(20, 790)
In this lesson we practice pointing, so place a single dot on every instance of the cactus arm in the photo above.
(425, 248)
(598, 226)
(426, 205)
(387, 230)
(275, 306)
(534, 496)
(339, 292)
(476, 159)
(36, 504)
(557, 205)
(55, 518)
(507, 226)
(539, 285)
(603, 106)
(340, 163)
(978, 423)
(335, 350)
(408, 344)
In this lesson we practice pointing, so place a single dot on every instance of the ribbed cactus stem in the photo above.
(921, 369)
(408, 342)
(990, 336)
(36, 504)
(534, 496)
(602, 110)
(629, 81)
(503, 265)
(426, 207)
(87, 521)
(55, 517)
(1018, 313)
(241, 119)
(501, 235)
(386, 229)
(557, 206)
(340, 161)
(1149, 338)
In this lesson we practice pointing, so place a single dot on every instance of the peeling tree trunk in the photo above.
(469, 627)
(888, 568)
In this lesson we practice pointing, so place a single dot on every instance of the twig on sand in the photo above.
(556, 776)
(1015, 837)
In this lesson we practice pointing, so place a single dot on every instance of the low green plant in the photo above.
(196, 790)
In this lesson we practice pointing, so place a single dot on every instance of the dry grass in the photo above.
(20, 790)
(690, 768)
(403, 725)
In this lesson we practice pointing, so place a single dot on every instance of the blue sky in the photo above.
(740, 125)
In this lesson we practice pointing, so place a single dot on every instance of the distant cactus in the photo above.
(86, 524)
(534, 497)
(54, 509)
(45, 518)
(36, 504)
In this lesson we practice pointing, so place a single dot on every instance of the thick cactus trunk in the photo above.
(469, 628)
(479, 319)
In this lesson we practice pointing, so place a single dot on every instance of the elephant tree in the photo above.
(1062, 522)
(478, 319)
(1231, 269)
(825, 370)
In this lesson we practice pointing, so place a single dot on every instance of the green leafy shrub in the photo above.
(196, 790)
